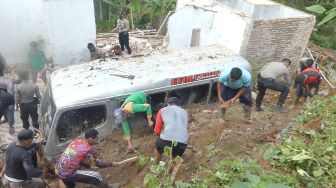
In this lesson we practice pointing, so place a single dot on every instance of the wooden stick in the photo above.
(128, 160)
(45, 182)
(175, 171)
(192, 148)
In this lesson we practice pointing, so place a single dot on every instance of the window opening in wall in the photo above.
(195, 37)
(74, 122)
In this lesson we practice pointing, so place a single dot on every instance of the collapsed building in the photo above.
(259, 30)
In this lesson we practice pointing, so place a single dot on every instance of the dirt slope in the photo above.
(212, 140)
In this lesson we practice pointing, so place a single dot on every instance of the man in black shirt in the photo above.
(6, 99)
(19, 169)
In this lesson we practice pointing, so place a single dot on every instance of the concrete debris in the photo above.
(142, 42)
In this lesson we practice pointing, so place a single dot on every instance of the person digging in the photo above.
(80, 153)
(306, 82)
(171, 126)
(19, 170)
(267, 79)
(135, 103)
(235, 83)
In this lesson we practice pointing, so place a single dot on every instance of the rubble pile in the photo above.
(142, 43)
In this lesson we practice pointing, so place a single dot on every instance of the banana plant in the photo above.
(321, 10)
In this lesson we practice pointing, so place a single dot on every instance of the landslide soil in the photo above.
(211, 139)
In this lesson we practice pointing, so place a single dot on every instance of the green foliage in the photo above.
(105, 25)
(158, 175)
(325, 34)
(319, 9)
(311, 159)
(324, 40)
(331, 14)
(242, 173)
(146, 13)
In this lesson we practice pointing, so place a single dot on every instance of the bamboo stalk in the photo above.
(311, 55)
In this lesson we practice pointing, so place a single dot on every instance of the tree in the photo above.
(158, 9)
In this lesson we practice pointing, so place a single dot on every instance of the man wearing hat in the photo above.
(171, 126)
(235, 83)
(136, 102)
(79, 153)
(19, 169)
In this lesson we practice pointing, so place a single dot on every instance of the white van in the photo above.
(85, 95)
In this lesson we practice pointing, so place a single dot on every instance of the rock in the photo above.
(211, 147)
(225, 134)
(254, 95)
(324, 92)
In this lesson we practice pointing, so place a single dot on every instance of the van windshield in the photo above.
(48, 110)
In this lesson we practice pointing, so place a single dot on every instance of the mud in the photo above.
(212, 140)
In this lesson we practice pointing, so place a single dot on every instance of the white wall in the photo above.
(225, 28)
(18, 26)
(65, 26)
(201, 3)
(262, 9)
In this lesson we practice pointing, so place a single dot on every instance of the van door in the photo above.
(73, 122)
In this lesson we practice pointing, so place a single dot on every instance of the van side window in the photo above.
(157, 100)
(193, 94)
(74, 122)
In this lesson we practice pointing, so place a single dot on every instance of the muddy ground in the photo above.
(212, 139)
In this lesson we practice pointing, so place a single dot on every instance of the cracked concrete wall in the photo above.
(216, 28)
(259, 30)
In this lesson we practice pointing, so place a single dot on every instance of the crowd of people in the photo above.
(170, 125)
(20, 92)
(18, 89)
(171, 122)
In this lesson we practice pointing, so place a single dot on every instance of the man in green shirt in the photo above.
(136, 102)
(37, 60)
